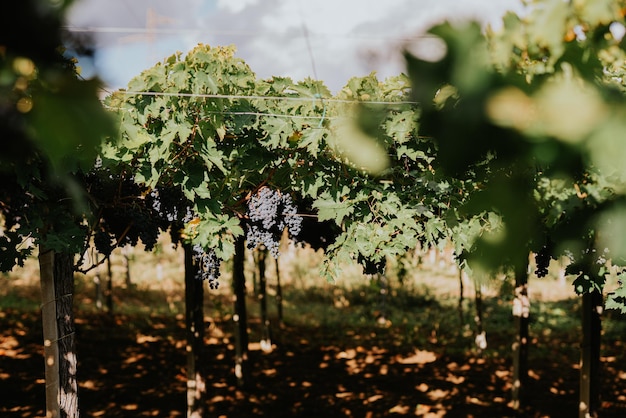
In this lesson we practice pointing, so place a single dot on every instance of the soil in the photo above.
(135, 367)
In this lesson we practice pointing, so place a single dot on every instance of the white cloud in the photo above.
(347, 37)
(235, 6)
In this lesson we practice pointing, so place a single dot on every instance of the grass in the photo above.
(423, 306)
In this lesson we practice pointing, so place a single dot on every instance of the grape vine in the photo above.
(368, 181)
(122, 215)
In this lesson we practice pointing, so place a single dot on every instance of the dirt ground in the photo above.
(135, 367)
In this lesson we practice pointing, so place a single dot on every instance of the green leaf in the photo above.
(329, 209)
(134, 137)
(203, 83)
(311, 139)
(278, 130)
(617, 299)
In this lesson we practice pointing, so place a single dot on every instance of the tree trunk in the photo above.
(109, 292)
(279, 295)
(460, 304)
(521, 319)
(99, 294)
(481, 336)
(266, 332)
(126, 263)
(240, 316)
(64, 287)
(255, 273)
(194, 323)
(383, 291)
(590, 355)
(57, 285)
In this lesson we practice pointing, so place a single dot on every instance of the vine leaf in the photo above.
(617, 299)
(329, 209)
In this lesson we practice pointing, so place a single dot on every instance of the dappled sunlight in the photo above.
(338, 360)
(420, 357)
(10, 347)
(142, 372)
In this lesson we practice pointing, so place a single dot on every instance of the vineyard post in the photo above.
(57, 289)
(64, 290)
(50, 331)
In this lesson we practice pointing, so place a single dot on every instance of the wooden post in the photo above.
(50, 332)
(64, 289)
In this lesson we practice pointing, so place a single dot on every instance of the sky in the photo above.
(331, 40)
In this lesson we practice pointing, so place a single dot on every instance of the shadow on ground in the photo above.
(134, 366)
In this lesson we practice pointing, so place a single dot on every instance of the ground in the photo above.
(127, 369)
(132, 362)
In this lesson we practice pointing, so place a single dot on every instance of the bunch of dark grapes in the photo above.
(125, 215)
(170, 203)
(208, 266)
(542, 261)
(172, 208)
(130, 223)
(269, 213)
(291, 219)
(103, 242)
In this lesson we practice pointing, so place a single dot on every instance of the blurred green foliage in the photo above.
(536, 120)
(51, 125)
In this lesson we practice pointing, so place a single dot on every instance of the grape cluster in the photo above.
(103, 242)
(269, 213)
(124, 216)
(208, 265)
(542, 261)
(128, 224)
(172, 209)
(130, 212)
(291, 218)
(170, 204)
